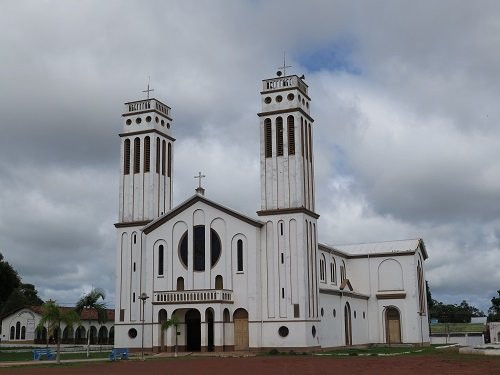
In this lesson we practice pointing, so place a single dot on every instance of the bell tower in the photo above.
(287, 206)
(146, 161)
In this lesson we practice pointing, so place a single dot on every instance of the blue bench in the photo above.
(39, 353)
(121, 353)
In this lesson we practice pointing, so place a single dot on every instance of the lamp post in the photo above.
(143, 297)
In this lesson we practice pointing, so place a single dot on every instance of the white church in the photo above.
(242, 283)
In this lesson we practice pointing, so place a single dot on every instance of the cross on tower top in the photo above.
(148, 89)
(283, 68)
(199, 189)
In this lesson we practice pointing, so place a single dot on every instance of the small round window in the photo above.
(138, 120)
(267, 100)
(290, 96)
(313, 331)
(148, 119)
(307, 105)
(303, 101)
(157, 119)
(128, 122)
(132, 333)
(279, 98)
(168, 125)
(283, 331)
(162, 123)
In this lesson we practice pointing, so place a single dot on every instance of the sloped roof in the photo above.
(87, 314)
(191, 201)
(380, 248)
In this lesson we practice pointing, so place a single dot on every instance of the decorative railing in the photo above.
(147, 104)
(193, 296)
(284, 82)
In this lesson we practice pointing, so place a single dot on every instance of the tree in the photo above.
(172, 322)
(9, 280)
(23, 295)
(494, 310)
(430, 301)
(53, 316)
(91, 302)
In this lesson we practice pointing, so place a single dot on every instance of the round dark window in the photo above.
(307, 105)
(148, 119)
(334, 313)
(279, 98)
(138, 120)
(290, 96)
(132, 333)
(322, 312)
(162, 123)
(313, 331)
(128, 122)
(303, 101)
(267, 100)
(283, 331)
(157, 119)
(168, 125)
(199, 248)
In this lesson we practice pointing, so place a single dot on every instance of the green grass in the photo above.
(9, 356)
(456, 327)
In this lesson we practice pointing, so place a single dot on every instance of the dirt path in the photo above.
(401, 365)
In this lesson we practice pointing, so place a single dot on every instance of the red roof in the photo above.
(87, 314)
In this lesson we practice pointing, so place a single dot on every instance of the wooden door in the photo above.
(240, 330)
(393, 326)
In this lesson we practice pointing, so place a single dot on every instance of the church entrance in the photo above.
(193, 330)
(347, 325)
(392, 326)
(240, 319)
(209, 318)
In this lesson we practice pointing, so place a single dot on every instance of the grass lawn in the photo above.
(8, 356)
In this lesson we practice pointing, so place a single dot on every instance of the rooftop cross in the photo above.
(283, 68)
(199, 177)
(148, 90)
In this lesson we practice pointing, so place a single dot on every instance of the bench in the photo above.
(121, 353)
(39, 353)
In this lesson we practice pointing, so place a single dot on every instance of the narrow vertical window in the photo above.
(157, 155)
(240, 255)
(310, 143)
(268, 133)
(160, 260)
(133, 297)
(279, 136)
(302, 134)
(164, 157)
(291, 135)
(169, 169)
(126, 157)
(18, 330)
(137, 155)
(306, 141)
(147, 154)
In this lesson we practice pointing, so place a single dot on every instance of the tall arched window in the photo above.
(310, 142)
(137, 155)
(302, 134)
(306, 141)
(291, 135)
(279, 136)
(239, 252)
(420, 280)
(160, 260)
(18, 330)
(219, 285)
(342, 272)
(157, 155)
(169, 169)
(126, 157)
(180, 283)
(164, 157)
(23, 333)
(333, 273)
(268, 134)
(147, 155)
(12, 332)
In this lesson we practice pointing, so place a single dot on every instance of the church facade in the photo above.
(242, 283)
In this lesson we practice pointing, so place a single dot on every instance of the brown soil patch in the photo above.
(399, 365)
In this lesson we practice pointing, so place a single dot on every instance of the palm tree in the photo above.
(91, 302)
(172, 322)
(53, 316)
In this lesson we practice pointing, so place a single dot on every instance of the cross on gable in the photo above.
(199, 177)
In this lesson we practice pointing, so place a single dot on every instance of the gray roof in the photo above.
(386, 247)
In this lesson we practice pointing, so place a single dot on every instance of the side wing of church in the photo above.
(239, 283)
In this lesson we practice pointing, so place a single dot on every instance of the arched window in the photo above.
(306, 141)
(421, 297)
(239, 252)
(333, 273)
(268, 134)
(157, 155)
(180, 283)
(199, 248)
(291, 135)
(126, 157)
(279, 136)
(322, 268)
(160, 260)
(302, 134)
(137, 155)
(169, 169)
(310, 143)
(219, 282)
(164, 157)
(18, 330)
(23, 333)
(147, 155)
(342, 272)
(12, 332)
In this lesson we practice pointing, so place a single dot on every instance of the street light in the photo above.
(143, 297)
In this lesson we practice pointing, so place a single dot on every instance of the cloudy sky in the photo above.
(405, 96)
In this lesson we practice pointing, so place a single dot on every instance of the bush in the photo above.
(274, 352)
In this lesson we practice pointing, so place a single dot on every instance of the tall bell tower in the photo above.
(146, 161)
(287, 207)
